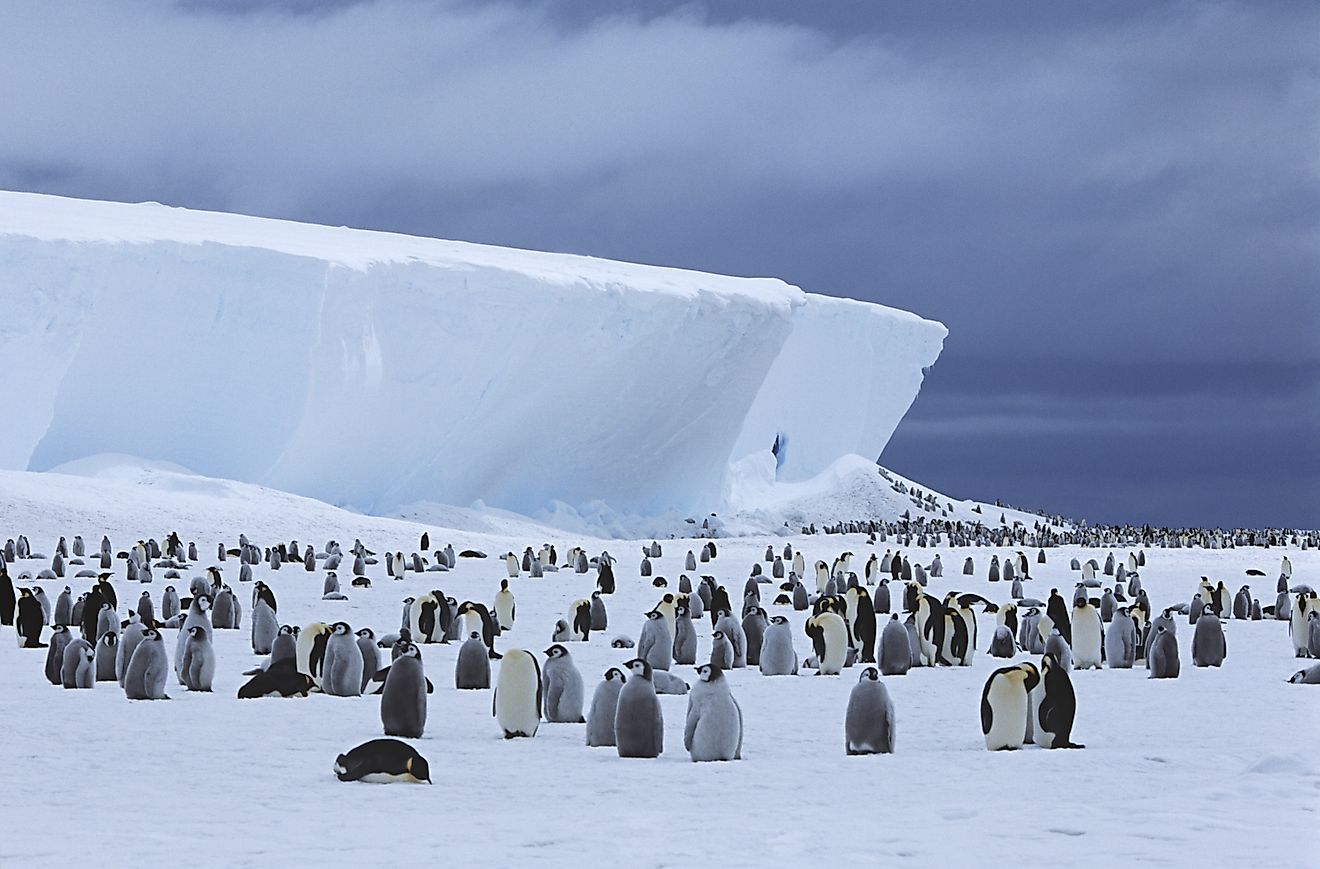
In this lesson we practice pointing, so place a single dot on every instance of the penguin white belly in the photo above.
(1008, 715)
(1086, 632)
(516, 697)
(836, 648)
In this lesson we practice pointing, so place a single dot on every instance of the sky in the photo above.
(1113, 206)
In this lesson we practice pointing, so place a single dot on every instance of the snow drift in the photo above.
(376, 370)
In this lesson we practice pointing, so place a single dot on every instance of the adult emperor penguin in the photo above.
(861, 621)
(505, 606)
(342, 674)
(518, 692)
(639, 725)
(472, 670)
(895, 648)
(383, 761)
(685, 635)
(604, 704)
(714, 727)
(868, 726)
(478, 618)
(1005, 706)
(829, 638)
(403, 699)
(197, 670)
(147, 669)
(7, 599)
(1054, 706)
(579, 619)
(1298, 627)
(1162, 655)
(778, 657)
(29, 621)
(424, 618)
(655, 644)
(312, 640)
(1057, 610)
(1209, 648)
(1087, 631)
(562, 687)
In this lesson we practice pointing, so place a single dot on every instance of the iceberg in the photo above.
(374, 370)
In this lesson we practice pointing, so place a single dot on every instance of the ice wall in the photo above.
(374, 370)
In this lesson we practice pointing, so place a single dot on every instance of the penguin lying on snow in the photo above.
(383, 760)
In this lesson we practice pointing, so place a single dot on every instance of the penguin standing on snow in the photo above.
(403, 699)
(604, 705)
(778, 658)
(1005, 703)
(1054, 705)
(1209, 648)
(639, 725)
(714, 726)
(518, 692)
(562, 687)
(869, 722)
(472, 670)
(29, 621)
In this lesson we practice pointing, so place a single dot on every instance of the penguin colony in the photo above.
(880, 624)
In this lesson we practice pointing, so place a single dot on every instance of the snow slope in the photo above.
(1216, 768)
(378, 370)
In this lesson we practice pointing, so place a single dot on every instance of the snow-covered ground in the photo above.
(1216, 768)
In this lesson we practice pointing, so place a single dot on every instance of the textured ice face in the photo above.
(376, 370)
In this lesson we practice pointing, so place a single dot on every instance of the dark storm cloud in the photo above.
(1113, 206)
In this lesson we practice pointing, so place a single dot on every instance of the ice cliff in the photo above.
(373, 370)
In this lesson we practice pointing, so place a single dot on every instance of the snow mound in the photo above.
(379, 370)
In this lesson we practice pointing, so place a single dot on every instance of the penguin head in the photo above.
(203, 602)
(409, 650)
(169, 589)
(709, 673)
(556, 651)
(341, 628)
(287, 631)
(474, 636)
(640, 667)
(660, 582)
(783, 620)
(654, 614)
(614, 674)
(504, 585)
(870, 674)
(409, 601)
(197, 631)
(366, 634)
(717, 636)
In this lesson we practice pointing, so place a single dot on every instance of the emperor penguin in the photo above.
(561, 633)
(579, 619)
(599, 617)
(1054, 706)
(169, 603)
(734, 632)
(829, 637)
(880, 602)
(518, 693)
(224, 611)
(107, 651)
(778, 657)
(604, 704)
(198, 666)
(753, 628)
(147, 669)
(1055, 645)
(1005, 706)
(403, 699)
(639, 725)
(895, 648)
(1121, 641)
(63, 612)
(1087, 630)
(505, 607)
(341, 676)
(472, 670)
(1298, 622)
(198, 617)
(478, 618)
(60, 638)
(714, 727)
(1209, 648)
(861, 621)
(370, 652)
(424, 619)
(868, 726)
(285, 647)
(721, 650)
(78, 669)
(655, 644)
(265, 626)
(29, 621)
(312, 640)
(382, 761)
(128, 643)
(1108, 603)
(1002, 644)
(1057, 610)
(562, 687)
(685, 635)
(1308, 676)
(511, 564)
(1162, 655)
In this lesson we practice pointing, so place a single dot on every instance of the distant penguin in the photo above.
(341, 675)
(579, 616)
(1162, 656)
(685, 635)
(424, 619)
(895, 648)
(1209, 648)
(639, 725)
(1057, 610)
(829, 637)
(197, 670)
(604, 704)
(78, 668)
(1005, 706)
(1088, 631)
(778, 657)
(265, 626)
(169, 603)
(7, 598)
(472, 670)
(382, 761)
(721, 650)
(518, 694)
(655, 644)
(128, 643)
(732, 629)
(63, 612)
(561, 687)
(1054, 706)
(753, 628)
(869, 721)
(403, 699)
(713, 730)
(561, 633)
(29, 621)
